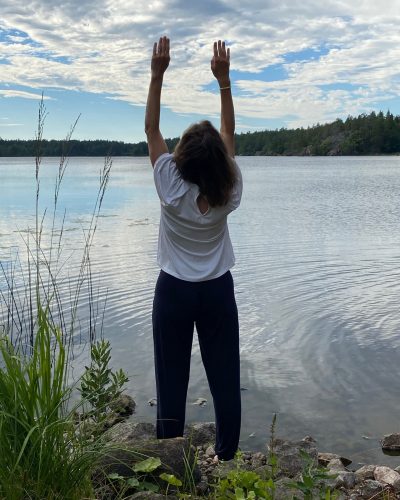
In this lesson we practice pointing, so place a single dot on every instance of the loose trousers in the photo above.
(211, 306)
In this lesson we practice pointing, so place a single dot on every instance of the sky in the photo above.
(293, 63)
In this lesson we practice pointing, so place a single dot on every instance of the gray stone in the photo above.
(210, 452)
(325, 458)
(345, 479)
(397, 469)
(388, 476)
(130, 432)
(124, 405)
(290, 461)
(368, 489)
(365, 472)
(171, 453)
(284, 492)
(391, 442)
(336, 465)
(258, 459)
(200, 434)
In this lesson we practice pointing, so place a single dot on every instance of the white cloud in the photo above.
(108, 46)
(23, 94)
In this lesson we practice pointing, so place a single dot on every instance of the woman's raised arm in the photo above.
(220, 68)
(159, 64)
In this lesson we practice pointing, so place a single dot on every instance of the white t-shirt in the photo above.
(192, 246)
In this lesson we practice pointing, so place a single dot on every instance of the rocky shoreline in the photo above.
(369, 482)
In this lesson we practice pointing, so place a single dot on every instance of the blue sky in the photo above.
(292, 63)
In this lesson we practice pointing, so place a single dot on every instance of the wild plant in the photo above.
(42, 455)
(100, 386)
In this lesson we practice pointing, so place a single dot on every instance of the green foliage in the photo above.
(375, 133)
(242, 484)
(100, 386)
(41, 456)
(312, 481)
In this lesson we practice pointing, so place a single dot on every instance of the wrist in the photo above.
(157, 77)
(224, 82)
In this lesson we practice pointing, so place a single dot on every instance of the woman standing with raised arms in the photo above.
(198, 186)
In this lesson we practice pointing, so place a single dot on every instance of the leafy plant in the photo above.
(41, 456)
(312, 480)
(100, 385)
(138, 481)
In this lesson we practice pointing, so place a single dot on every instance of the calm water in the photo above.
(317, 277)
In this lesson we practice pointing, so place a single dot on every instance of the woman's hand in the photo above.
(160, 59)
(220, 63)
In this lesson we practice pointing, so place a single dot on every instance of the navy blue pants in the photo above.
(178, 306)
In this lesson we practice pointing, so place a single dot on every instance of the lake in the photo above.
(317, 243)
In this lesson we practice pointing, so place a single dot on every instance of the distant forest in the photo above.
(376, 133)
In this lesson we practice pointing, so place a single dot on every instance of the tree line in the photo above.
(366, 134)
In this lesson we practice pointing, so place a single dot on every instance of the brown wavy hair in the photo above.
(202, 158)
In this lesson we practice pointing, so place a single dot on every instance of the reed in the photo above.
(43, 454)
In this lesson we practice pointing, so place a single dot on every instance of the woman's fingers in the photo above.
(162, 47)
(220, 50)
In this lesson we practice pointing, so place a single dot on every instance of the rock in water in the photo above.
(391, 442)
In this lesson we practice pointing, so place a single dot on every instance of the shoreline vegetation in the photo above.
(372, 134)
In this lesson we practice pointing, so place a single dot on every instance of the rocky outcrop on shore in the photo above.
(131, 440)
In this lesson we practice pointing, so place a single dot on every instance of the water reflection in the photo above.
(317, 279)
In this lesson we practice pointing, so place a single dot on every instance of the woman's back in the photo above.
(193, 246)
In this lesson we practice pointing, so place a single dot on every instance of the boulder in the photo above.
(344, 479)
(283, 490)
(368, 489)
(336, 465)
(171, 452)
(325, 458)
(387, 475)
(365, 472)
(289, 455)
(130, 432)
(124, 405)
(391, 442)
(199, 434)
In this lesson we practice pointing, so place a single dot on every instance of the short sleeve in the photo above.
(236, 194)
(169, 184)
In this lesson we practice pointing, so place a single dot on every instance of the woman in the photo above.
(198, 186)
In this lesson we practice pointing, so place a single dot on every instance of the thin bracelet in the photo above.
(225, 88)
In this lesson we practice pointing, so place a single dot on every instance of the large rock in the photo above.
(365, 472)
(283, 490)
(345, 479)
(336, 465)
(325, 458)
(288, 453)
(130, 432)
(391, 442)
(387, 475)
(201, 433)
(369, 489)
(124, 405)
